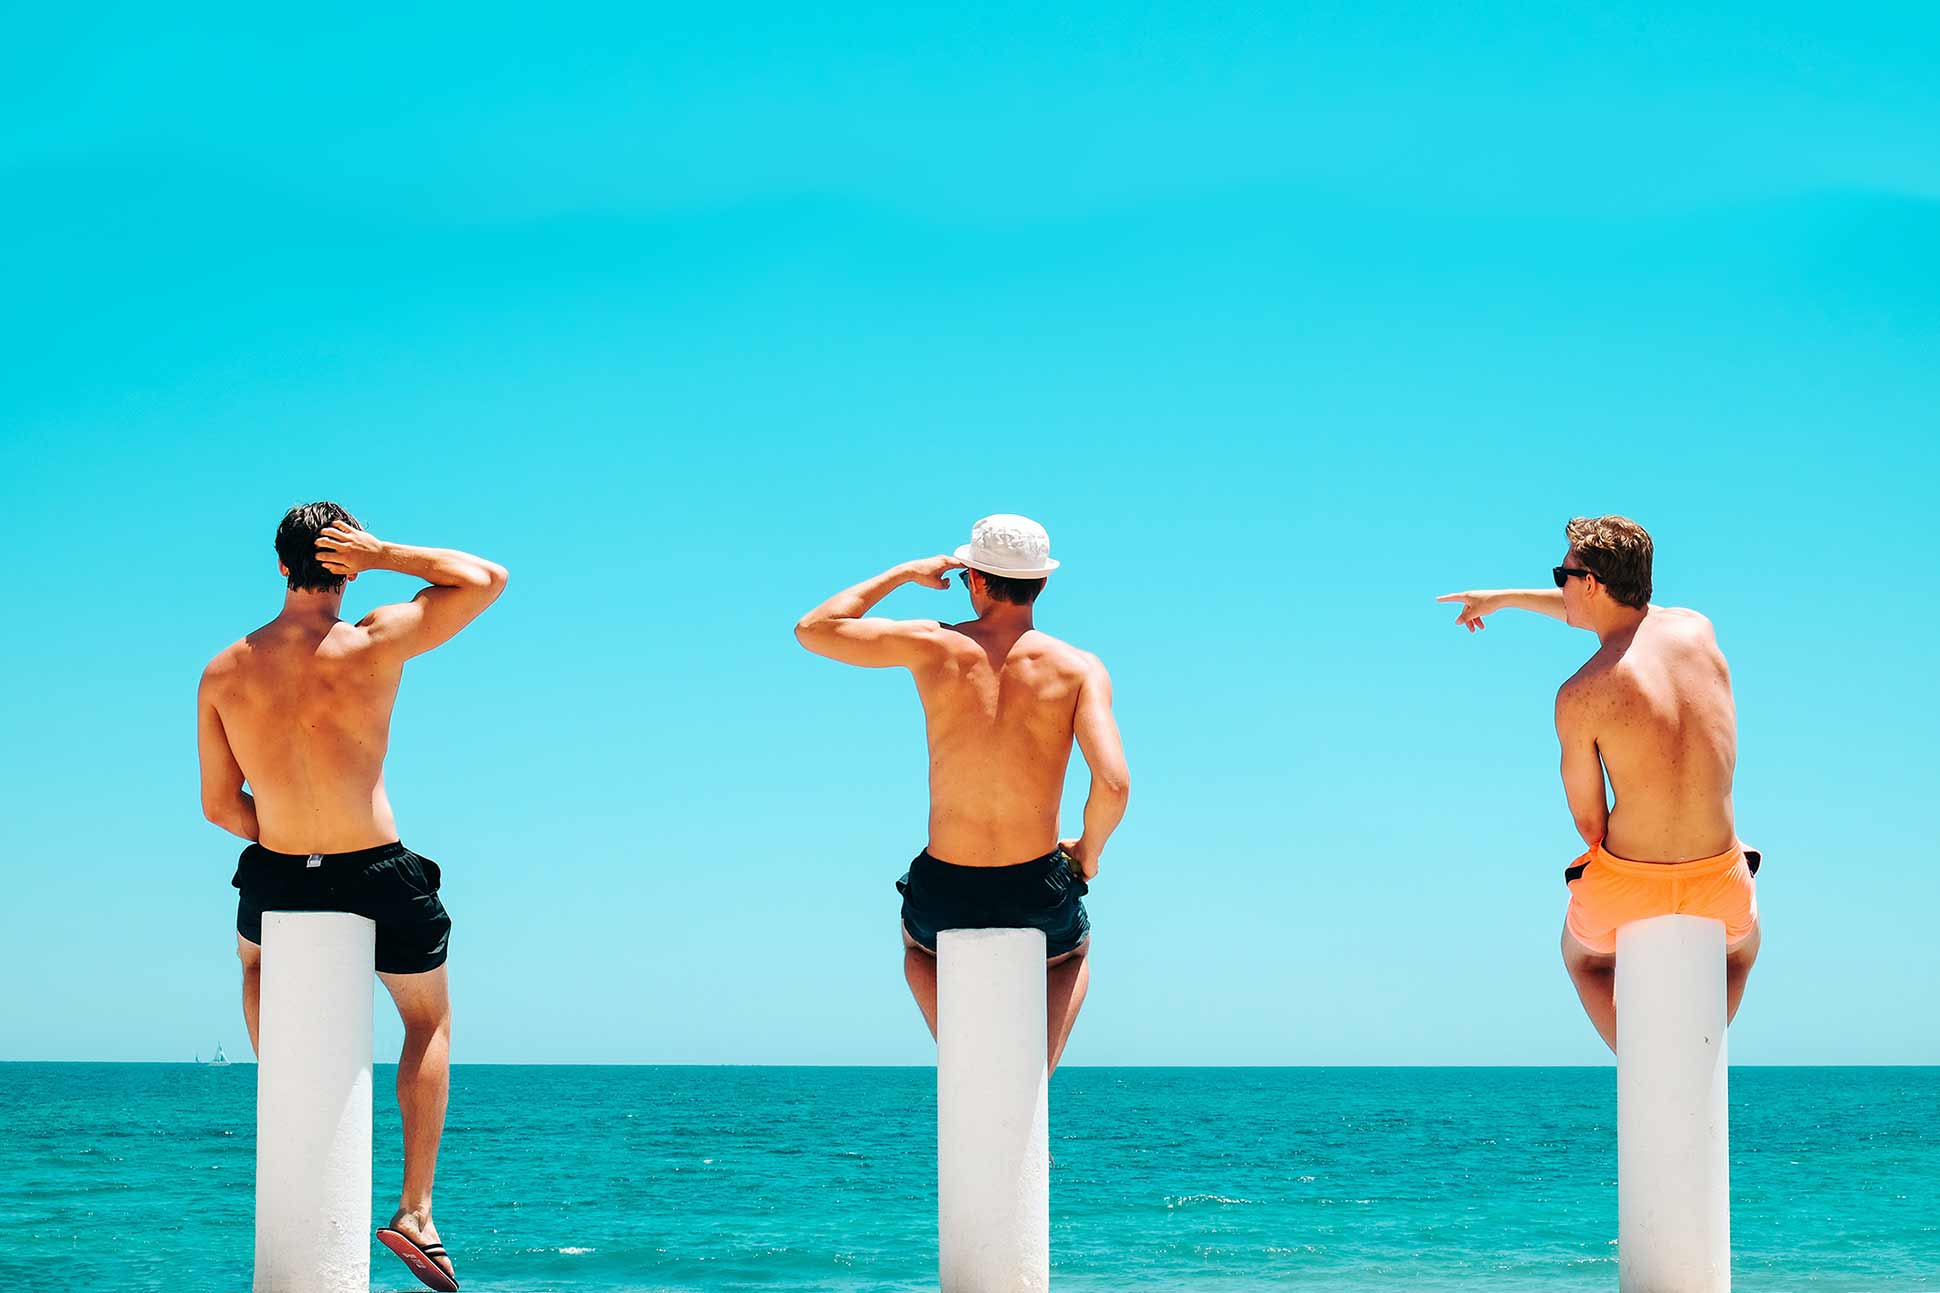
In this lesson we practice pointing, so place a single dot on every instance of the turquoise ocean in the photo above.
(130, 1177)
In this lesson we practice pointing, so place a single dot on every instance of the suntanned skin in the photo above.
(301, 711)
(1651, 710)
(1002, 704)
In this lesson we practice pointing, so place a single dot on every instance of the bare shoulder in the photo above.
(1587, 690)
(1066, 657)
(1683, 620)
(949, 636)
(1687, 636)
(935, 641)
(221, 670)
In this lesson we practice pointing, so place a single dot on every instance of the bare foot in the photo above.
(416, 1226)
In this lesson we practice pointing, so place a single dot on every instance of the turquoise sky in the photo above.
(1283, 321)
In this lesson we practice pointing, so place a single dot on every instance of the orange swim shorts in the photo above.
(1607, 891)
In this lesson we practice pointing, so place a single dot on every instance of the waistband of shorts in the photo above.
(938, 868)
(1696, 868)
(356, 857)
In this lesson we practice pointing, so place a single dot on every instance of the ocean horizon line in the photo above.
(1143, 1068)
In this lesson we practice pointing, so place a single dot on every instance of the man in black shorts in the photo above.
(393, 887)
(1003, 703)
(301, 711)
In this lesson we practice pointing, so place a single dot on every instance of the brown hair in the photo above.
(1617, 551)
(296, 544)
(1018, 592)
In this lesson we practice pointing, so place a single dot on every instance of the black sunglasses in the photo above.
(1563, 574)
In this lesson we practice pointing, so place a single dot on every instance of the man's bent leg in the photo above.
(251, 955)
(1066, 980)
(1737, 968)
(1595, 977)
(423, 1088)
(919, 967)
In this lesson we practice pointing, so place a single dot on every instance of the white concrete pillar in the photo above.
(1673, 1143)
(993, 1172)
(313, 1104)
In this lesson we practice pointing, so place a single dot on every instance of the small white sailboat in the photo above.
(219, 1060)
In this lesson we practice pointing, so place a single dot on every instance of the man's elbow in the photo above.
(216, 811)
(1117, 783)
(807, 630)
(488, 576)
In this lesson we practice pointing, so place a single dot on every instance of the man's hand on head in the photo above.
(345, 551)
(932, 572)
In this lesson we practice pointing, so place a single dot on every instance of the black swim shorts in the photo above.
(1043, 893)
(390, 885)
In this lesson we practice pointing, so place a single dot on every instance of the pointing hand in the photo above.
(1474, 607)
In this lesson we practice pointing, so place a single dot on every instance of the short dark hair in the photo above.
(1617, 551)
(1018, 592)
(296, 544)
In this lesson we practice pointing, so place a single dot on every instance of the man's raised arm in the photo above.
(841, 630)
(1475, 605)
(461, 587)
(1111, 780)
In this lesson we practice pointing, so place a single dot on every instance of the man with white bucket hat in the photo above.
(1003, 703)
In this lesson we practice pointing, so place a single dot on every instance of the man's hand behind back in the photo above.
(1082, 856)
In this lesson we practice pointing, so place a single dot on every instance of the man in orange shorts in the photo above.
(1652, 709)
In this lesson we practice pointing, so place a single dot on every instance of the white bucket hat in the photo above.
(1011, 547)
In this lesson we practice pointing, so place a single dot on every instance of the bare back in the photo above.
(1000, 711)
(1666, 729)
(307, 709)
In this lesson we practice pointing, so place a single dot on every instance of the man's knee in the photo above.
(420, 1030)
(425, 1020)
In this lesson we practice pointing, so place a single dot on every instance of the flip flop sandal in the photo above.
(418, 1257)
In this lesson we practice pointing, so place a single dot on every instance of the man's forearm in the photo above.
(237, 816)
(1104, 809)
(1543, 601)
(446, 567)
(856, 601)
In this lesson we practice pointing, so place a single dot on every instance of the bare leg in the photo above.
(251, 955)
(423, 1087)
(1067, 979)
(919, 967)
(1737, 968)
(1595, 977)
